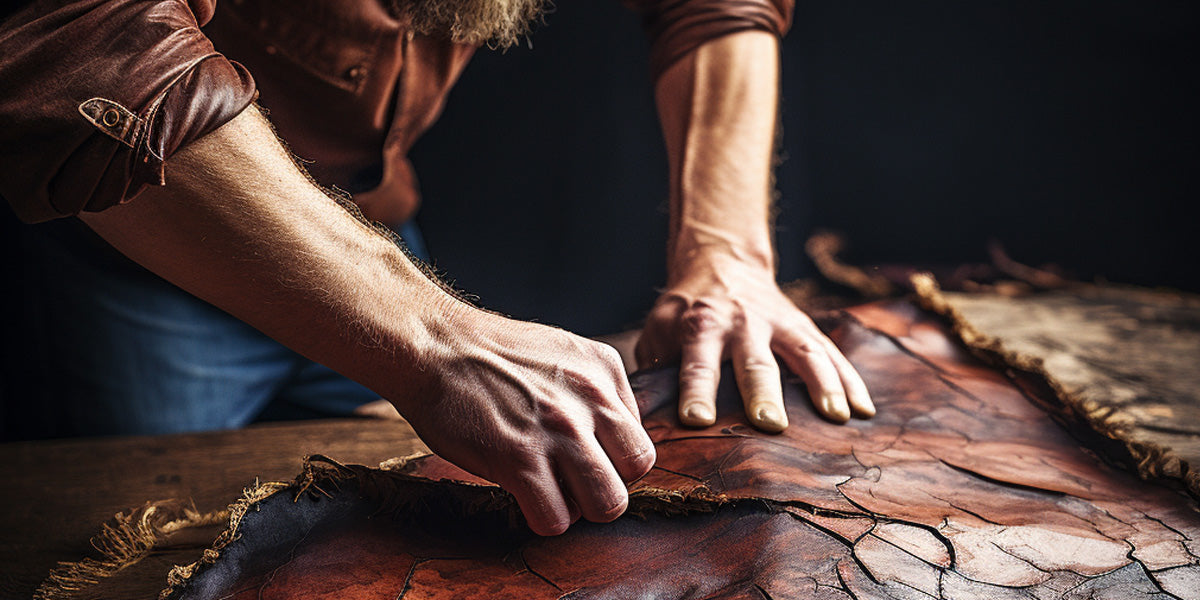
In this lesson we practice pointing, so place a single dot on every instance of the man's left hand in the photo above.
(718, 308)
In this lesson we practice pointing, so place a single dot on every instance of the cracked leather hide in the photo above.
(961, 487)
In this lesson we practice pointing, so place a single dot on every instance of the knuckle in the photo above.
(546, 521)
(557, 422)
(665, 311)
(613, 419)
(641, 460)
(526, 485)
(584, 382)
(523, 470)
(573, 437)
(612, 414)
(609, 506)
(693, 372)
(700, 321)
(755, 364)
(615, 511)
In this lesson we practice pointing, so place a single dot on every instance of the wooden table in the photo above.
(57, 494)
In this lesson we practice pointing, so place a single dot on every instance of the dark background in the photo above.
(1064, 130)
(1067, 131)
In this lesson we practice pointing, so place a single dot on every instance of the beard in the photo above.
(498, 23)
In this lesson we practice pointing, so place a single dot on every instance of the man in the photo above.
(104, 97)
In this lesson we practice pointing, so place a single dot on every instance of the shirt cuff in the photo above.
(677, 27)
(100, 93)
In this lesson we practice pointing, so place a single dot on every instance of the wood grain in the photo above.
(58, 493)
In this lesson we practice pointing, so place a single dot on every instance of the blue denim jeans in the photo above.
(106, 347)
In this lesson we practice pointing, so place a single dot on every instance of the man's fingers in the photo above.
(700, 366)
(809, 359)
(541, 500)
(758, 380)
(592, 482)
(573, 511)
(621, 380)
(658, 344)
(628, 399)
(622, 436)
(626, 444)
(857, 395)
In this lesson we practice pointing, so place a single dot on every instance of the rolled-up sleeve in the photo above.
(677, 27)
(95, 95)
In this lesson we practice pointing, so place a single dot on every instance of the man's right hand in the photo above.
(546, 414)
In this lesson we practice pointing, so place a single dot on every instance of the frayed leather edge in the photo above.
(179, 575)
(123, 543)
(1152, 460)
(396, 490)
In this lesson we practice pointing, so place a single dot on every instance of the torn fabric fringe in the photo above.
(123, 543)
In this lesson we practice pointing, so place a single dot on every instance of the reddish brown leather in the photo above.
(961, 487)
(733, 554)
(149, 58)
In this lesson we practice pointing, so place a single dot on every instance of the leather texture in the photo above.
(961, 487)
(1122, 357)
(347, 86)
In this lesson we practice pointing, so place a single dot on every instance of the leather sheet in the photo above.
(1123, 358)
(961, 487)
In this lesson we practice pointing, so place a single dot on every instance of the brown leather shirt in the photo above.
(95, 95)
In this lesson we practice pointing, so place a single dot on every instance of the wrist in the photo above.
(406, 324)
(707, 251)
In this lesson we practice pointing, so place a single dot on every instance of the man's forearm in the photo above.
(718, 107)
(546, 414)
(719, 147)
(242, 227)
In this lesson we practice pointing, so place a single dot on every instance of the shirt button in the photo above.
(356, 73)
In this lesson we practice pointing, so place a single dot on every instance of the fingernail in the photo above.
(699, 414)
(868, 409)
(771, 419)
(834, 406)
